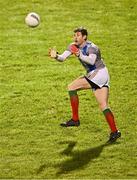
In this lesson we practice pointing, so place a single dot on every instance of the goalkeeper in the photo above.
(96, 78)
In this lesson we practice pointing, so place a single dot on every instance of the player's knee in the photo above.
(71, 87)
(103, 105)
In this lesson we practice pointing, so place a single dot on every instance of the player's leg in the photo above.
(78, 84)
(101, 95)
(102, 98)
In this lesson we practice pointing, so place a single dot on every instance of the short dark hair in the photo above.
(82, 30)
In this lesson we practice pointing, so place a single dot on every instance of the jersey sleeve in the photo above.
(62, 57)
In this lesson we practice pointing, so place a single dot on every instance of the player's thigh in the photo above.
(79, 84)
(102, 96)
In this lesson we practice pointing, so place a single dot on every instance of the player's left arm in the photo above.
(90, 58)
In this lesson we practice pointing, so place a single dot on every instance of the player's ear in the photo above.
(85, 37)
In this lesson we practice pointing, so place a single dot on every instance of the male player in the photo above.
(96, 78)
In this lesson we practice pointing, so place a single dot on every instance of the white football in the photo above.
(32, 19)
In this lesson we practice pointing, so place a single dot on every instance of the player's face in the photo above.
(78, 38)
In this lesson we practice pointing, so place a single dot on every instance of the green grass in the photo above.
(34, 99)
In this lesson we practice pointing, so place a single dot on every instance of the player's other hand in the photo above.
(74, 50)
(52, 53)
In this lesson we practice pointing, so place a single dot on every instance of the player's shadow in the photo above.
(78, 159)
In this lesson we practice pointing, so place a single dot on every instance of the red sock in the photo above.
(110, 119)
(74, 100)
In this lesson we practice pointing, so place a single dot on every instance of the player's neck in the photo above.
(82, 44)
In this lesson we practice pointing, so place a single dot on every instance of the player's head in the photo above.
(80, 35)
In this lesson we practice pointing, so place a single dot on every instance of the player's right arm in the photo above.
(60, 57)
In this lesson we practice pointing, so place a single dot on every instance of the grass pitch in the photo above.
(34, 99)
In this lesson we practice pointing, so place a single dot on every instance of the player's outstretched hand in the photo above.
(74, 50)
(52, 53)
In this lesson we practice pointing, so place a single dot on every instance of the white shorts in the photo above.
(99, 77)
